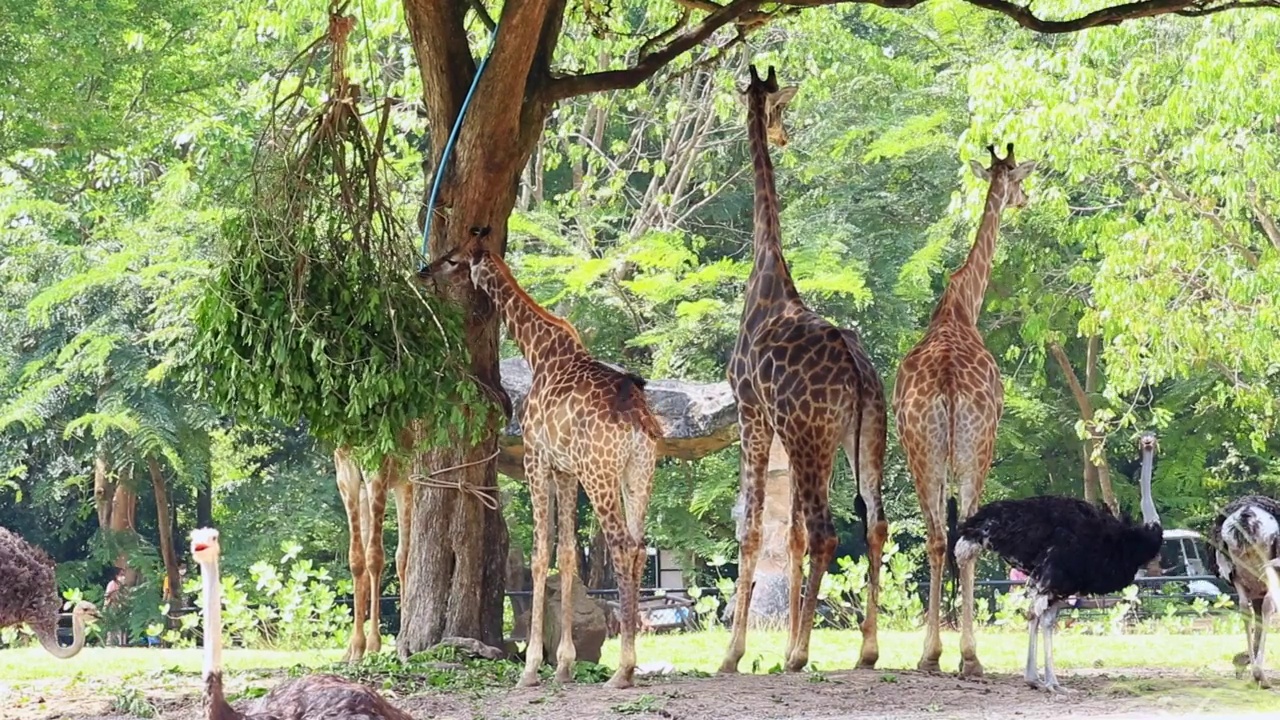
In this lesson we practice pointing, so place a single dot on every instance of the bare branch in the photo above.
(747, 15)
(573, 85)
(1264, 219)
(483, 14)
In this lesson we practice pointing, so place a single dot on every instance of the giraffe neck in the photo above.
(542, 337)
(770, 283)
(962, 300)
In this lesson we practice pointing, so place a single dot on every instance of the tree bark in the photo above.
(164, 523)
(1095, 456)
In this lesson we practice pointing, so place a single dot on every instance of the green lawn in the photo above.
(830, 650)
(34, 663)
(999, 652)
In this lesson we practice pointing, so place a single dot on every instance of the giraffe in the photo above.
(798, 376)
(583, 422)
(948, 399)
(364, 498)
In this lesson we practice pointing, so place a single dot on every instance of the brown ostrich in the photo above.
(29, 594)
(315, 697)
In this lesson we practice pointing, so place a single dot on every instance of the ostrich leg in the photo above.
(1048, 624)
(1267, 612)
(1032, 675)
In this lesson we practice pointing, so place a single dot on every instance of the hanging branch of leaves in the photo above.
(315, 315)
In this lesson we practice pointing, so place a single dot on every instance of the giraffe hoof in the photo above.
(620, 681)
(796, 664)
(353, 656)
(728, 668)
(868, 663)
(970, 668)
(528, 680)
(564, 676)
(929, 666)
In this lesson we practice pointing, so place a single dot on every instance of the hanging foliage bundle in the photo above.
(315, 313)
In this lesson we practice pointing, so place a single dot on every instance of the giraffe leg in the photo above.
(567, 564)
(797, 545)
(540, 490)
(350, 487)
(403, 492)
(629, 556)
(973, 445)
(375, 550)
(868, 446)
(931, 489)
(756, 437)
(814, 477)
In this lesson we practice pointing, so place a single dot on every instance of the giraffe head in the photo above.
(469, 258)
(766, 97)
(1005, 175)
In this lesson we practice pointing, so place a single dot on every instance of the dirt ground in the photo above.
(829, 696)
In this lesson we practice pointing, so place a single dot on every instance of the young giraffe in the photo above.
(948, 400)
(583, 422)
(364, 498)
(796, 375)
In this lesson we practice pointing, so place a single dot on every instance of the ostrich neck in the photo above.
(212, 620)
(48, 636)
(1149, 515)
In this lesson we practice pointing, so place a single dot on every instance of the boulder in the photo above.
(589, 629)
(697, 419)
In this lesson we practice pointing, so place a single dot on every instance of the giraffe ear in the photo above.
(783, 96)
(1024, 169)
(980, 172)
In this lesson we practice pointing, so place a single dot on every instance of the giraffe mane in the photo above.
(524, 297)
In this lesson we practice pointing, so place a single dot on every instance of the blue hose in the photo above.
(448, 148)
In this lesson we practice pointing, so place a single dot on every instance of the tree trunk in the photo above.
(769, 601)
(123, 516)
(204, 503)
(1095, 455)
(164, 523)
(600, 567)
(459, 550)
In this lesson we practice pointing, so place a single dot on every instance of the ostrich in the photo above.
(315, 697)
(1246, 544)
(29, 594)
(1066, 547)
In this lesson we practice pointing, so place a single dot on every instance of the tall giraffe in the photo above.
(586, 422)
(364, 498)
(798, 376)
(948, 400)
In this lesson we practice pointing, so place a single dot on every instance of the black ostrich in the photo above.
(29, 594)
(315, 697)
(1246, 544)
(1066, 547)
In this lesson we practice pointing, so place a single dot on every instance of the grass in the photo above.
(33, 663)
(702, 653)
(999, 652)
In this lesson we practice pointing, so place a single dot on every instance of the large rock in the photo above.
(697, 418)
(589, 630)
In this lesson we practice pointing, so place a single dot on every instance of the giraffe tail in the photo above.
(953, 535)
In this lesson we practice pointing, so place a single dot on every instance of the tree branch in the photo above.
(573, 85)
(1264, 219)
(746, 13)
(483, 14)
